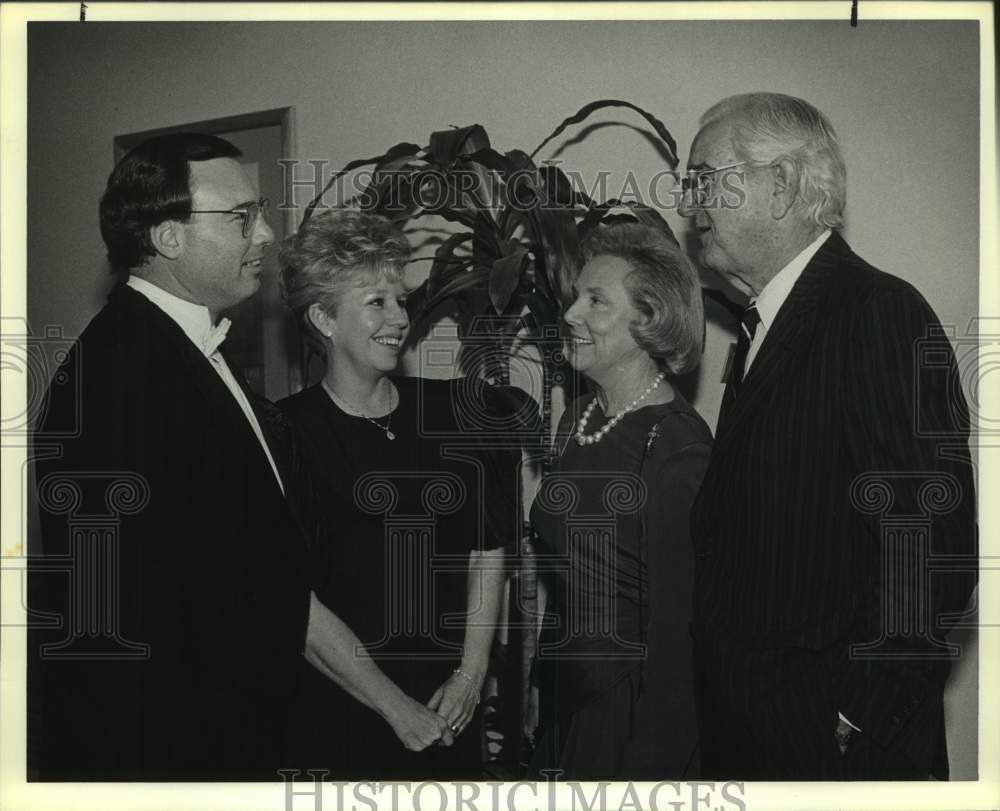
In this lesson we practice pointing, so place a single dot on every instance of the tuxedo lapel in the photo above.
(265, 419)
(220, 404)
(167, 332)
(787, 344)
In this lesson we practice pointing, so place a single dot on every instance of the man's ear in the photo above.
(320, 319)
(167, 239)
(786, 187)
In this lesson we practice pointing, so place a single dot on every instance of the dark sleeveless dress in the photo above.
(615, 670)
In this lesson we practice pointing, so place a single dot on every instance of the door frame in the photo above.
(284, 119)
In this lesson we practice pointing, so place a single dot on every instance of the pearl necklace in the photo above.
(581, 426)
(357, 411)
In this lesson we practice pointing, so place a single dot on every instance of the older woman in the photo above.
(402, 554)
(614, 513)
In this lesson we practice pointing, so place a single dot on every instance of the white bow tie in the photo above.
(214, 336)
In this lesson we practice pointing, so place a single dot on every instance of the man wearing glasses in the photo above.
(819, 642)
(203, 601)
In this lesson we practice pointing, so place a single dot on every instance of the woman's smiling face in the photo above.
(599, 338)
(370, 325)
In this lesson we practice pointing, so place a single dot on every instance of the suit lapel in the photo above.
(264, 419)
(787, 344)
(169, 332)
(198, 369)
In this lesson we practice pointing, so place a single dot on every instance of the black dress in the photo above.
(616, 678)
(392, 526)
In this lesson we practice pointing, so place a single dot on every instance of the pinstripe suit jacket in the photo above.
(839, 476)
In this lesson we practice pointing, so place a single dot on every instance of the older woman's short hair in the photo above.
(769, 126)
(333, 251)
(664, 288)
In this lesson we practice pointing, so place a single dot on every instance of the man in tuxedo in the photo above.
(840, 474)
(173, 596)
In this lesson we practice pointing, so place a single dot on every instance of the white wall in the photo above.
(903, 96)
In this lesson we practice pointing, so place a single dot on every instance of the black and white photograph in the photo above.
(499, 406)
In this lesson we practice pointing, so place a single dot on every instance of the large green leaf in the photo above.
(391, 195)
(525, 226)
(492, 160)
(494, 171)
(400, 200)
(394, 186)
(485, 242)
(506, 275)
(462, 282)
(543, 309)
(447, 145)
(475, 186)
(512, 164)
(445, 262)
(546, 319)
(397, 160)
(464, 216)
(556, 217)
(586, 110)
(520, 160)
(415, 301)
(562, 247)
(559, 189)
(447, 195)
(522, 191)
(399, 150)
(513, 322)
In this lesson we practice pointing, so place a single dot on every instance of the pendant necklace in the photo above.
(597, 436)
(357, 412)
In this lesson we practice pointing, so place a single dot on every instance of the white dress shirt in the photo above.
(196, 322)
(775, 292)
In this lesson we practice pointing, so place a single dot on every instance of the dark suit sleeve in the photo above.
(301, 488)
(80, 735)
(910, 439)
(665, 726)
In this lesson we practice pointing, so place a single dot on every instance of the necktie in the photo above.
(214, 337)
(748, 327)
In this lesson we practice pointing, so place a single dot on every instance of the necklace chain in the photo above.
(353, 409)
(581, 426)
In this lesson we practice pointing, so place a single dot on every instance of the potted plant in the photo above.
(504, 271)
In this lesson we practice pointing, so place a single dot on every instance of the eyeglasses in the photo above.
(696, 181)
(249, 213)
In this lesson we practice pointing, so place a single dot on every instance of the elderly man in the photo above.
(180, 626)
(840, 467)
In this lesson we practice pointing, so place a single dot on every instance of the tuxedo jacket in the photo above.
(171, 597)
(839, 483)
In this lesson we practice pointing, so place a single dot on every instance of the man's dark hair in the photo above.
(149, 185)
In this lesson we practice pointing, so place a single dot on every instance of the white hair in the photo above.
(770, 126)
